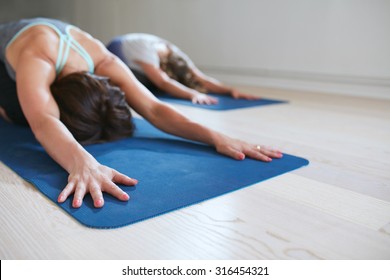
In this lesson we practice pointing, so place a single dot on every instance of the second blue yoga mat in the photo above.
(224, 102)
(172, 173)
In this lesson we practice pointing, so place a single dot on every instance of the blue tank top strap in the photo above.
(59, 65)
(80, 50)
(61, 59)
(31, 25)
(64, 39)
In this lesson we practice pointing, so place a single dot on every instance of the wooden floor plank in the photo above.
(354, 207)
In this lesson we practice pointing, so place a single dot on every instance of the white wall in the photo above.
(328, 45)
(324, 45)
(16, 9)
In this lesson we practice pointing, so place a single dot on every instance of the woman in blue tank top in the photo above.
(8, 34)
(70, 89)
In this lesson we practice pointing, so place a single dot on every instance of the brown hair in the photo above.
(177, 68)
(92, 109)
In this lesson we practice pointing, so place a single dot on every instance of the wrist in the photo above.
(217, 139)
(80, 157)
(193, 94)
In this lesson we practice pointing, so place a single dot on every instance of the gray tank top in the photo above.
(9, 32)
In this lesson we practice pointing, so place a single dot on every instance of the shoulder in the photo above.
(37, 42)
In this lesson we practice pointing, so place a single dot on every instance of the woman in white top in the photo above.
(159, 63)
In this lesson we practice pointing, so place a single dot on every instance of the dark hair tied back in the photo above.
(92, 108)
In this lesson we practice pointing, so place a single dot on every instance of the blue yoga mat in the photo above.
(224, 102)
(172, 173)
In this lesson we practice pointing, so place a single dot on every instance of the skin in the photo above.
(161, 80)
(33, 56)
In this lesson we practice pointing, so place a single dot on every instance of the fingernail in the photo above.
(99, 202)
(125, 196)
(77, 203)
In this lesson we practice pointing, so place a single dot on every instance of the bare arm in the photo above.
(86, 175)
(210, 83)
(161, 80)
(169, 120)
(213, 85)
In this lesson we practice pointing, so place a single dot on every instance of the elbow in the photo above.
(159, 113)
(40, 125)
(37, 126)
(161, 83)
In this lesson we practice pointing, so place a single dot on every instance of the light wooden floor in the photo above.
(338, 207)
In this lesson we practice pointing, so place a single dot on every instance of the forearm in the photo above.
(211, 84)
(170, 121)
(216, 86)
(60, 144)
(176, 89)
